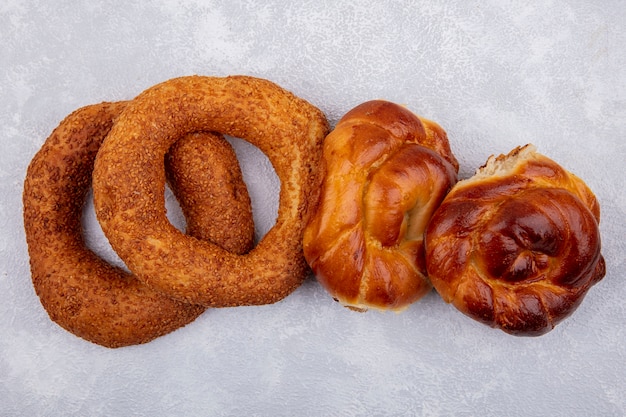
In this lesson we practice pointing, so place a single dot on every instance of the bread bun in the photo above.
(387, 170)
(517, 245)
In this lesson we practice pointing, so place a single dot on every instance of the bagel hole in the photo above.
(262, 182)
(263, 188)
(96, 240)
(258, 174)
(173, 212)
(94, 237)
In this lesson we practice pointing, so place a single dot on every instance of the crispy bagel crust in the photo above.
(516, 246)
(203, 172)
(81, 292)
(129, 179)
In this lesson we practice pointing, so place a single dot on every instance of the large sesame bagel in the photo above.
(129, 178)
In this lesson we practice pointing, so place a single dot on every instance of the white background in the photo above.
(494, 74)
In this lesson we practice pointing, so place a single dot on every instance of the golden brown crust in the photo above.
(81, 292)
(287, 129)
(213, 195)
(517, 246)
(387, 170)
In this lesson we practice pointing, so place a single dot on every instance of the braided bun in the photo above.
(517, 245)
(387, 170)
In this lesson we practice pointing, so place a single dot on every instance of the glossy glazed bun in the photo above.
(516, 246)
(387, 170)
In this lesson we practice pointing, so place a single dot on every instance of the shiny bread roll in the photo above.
(386, 171)
(516, 246)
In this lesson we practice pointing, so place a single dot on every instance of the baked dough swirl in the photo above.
(386, 171)
(517, 246)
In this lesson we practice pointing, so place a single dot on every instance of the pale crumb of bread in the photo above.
(503, 165)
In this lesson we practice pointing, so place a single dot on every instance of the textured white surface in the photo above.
(494, 74)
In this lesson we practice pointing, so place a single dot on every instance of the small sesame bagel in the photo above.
(81, 292)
